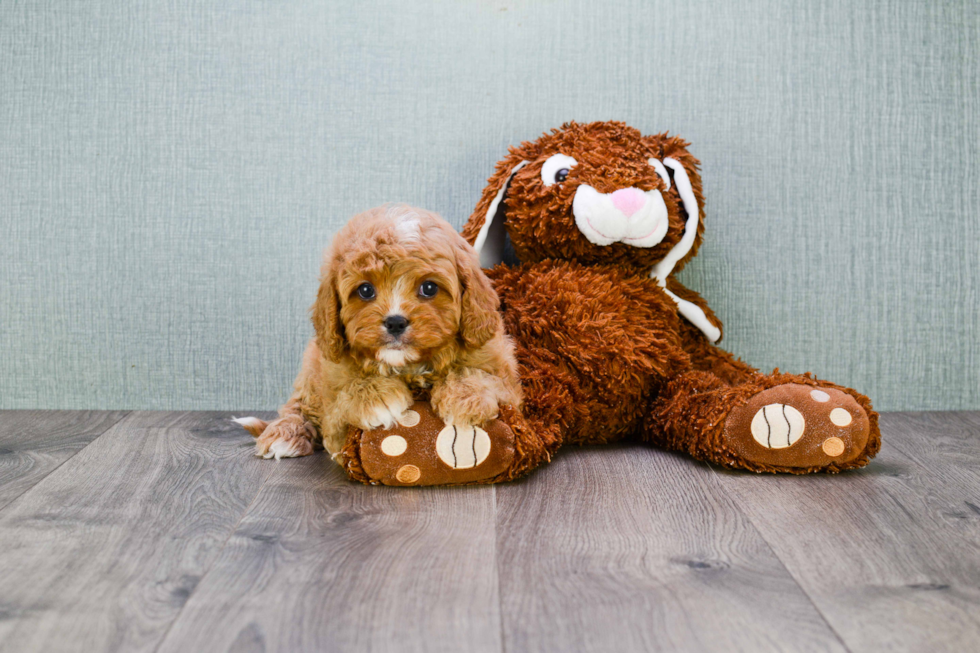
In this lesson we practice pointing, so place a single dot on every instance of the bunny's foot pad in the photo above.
(423, 450)
(797, 426)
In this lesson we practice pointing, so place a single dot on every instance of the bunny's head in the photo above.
(596, 193)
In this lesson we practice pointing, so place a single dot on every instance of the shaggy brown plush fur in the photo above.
(604, 354)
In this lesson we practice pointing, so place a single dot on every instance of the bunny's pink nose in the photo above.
(629, 200)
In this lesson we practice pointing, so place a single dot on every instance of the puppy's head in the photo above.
(594, 193)
(400, 286)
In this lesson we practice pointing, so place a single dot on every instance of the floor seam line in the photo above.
(496, 571)
(59, 465)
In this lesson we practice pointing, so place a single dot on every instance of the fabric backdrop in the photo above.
(171, 171)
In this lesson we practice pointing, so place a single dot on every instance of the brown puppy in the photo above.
(403, 306)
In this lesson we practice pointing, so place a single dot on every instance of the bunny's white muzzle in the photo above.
(629, 216)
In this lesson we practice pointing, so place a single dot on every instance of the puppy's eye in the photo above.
(428, 289)
(555, 170)
(366, 291)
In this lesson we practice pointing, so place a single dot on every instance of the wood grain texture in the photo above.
(323, 564)
(629, 548)
(102, 554)
(889, 554)
(165, 533)
(946, 443)
(33, 443)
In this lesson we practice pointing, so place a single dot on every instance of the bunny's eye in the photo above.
(555, 170)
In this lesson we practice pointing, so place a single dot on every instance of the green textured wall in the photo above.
(170, 172)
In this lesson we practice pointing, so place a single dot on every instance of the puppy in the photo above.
(403, 306)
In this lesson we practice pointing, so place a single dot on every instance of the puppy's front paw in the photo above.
(383, 413)
(465, 404)
(285, 438)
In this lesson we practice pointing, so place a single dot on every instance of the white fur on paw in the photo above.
(247, 421)
(468, 420)
(387, 415)
(284, 448)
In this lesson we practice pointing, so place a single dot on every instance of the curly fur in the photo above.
(356, 373)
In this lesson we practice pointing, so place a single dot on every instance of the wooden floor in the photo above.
(161, 531)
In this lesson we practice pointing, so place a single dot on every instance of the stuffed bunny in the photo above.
(582, 231)
(594, 221)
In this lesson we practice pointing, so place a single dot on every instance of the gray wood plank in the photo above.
(33, 443)
(102, 554)
(889, 554)
(323, 564)
(629, 548)
(947, 443)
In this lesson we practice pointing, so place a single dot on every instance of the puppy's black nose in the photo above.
(396, 324)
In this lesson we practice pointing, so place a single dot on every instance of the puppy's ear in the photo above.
(330, 336)
(485, 228)
(480, 318)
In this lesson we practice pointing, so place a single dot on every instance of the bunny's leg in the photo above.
(725, 412)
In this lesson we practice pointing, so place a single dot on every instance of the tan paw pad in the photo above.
(408, 474)
(833, 447)
(840, 417)
(394, 445)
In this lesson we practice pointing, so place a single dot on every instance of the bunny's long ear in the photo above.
(684, 167)
(682, 182)
(485, 228)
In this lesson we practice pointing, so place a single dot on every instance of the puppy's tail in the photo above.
(253, 425)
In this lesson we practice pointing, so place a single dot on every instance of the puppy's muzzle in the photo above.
(396, 325)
